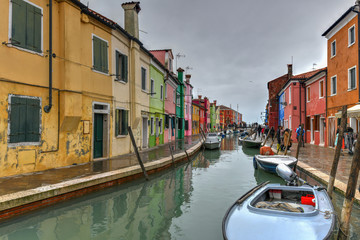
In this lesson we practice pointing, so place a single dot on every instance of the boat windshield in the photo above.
(212, 135)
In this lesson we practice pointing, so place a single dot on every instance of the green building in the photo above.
(212, 117)
(180, 105)
(156, 109)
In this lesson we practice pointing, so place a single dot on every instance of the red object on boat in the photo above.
(266, 151)
(308, 200)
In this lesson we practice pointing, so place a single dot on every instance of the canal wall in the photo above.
(24, 201)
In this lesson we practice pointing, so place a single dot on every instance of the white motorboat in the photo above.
(212, 141)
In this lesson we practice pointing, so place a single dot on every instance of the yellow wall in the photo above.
(76, 88)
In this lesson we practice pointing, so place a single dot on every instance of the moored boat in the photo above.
(212, 141)
(273, 211)
(250, 143)
(270, 162)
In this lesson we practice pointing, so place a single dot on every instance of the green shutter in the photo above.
(124, 123)
(37, 30)
(18, 28)
(30, 26)
(32, 120)
(104, 56)
(17, 120)
(125, 67)
(117, 122)
(117, 56)
(97, 55)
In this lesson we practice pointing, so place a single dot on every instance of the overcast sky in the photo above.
(234, 47)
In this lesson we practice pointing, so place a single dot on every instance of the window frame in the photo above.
(162, 92)
(308, 94)
(349, 78)
(166, 88)
(116, 134)
(41, 53)
(16, 144)
(349, 36)
(161, 125)
(145, 80)
(289, 95)
(93, 57)
(152, 126)
(332, 93)
(321, 89)
(152, 87)
(333, 49)
(126, 80)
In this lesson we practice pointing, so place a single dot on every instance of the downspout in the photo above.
(47, 108)
(305, 113)
(326, 107)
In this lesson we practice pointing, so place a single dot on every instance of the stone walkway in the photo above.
(29, 181)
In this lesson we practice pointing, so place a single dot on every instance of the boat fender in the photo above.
(255, 163)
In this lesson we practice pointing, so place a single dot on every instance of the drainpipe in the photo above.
(47, 108)
(305, 137)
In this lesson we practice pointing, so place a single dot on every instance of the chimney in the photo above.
(199, 96)
(187, 77)
(290, 71)
(180, 74)
(131, 18)
(215, 103)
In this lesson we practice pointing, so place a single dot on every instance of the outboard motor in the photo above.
(287, 174)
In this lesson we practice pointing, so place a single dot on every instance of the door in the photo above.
(312, 130)
(332, 131)
(322, 129)
(98, 135)
(145, 133)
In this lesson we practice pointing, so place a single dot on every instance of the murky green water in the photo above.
(187, 202)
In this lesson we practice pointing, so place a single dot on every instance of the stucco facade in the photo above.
(187, 106)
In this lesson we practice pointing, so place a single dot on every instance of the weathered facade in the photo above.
(188, 105)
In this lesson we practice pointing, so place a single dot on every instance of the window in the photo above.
(186, 109)
(290, 122)
(121, 66)
(121, 122)
(186, 125)
(316, 126)
(152, 87)
(161, 92)
(26, 26)
(24, 119)
(143, 78)
(178, 98)
(333, 48)
(351, 35)
(290, 95)
(308, 94)
(170, 65)
(166, 90)
(321, 89)
(174, 95)
(333, 85)
(161, 126)
(152, 126)
(352, 78)
(100, 55)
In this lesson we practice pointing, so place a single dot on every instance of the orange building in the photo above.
(343, 74)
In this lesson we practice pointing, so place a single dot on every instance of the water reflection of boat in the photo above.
(212, 155)
(250, 151)
(281, 211)
(263, 176)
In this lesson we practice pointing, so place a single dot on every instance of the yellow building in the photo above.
(195, 119)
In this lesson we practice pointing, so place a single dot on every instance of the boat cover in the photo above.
(282, 206)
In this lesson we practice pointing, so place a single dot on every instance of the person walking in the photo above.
(300, 134)
(349, 139)
(278, 136)
(259, 130)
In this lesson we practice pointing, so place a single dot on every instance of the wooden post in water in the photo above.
(187, 155)
(267, 136)
(172, 156)
(287, 143)
(350, 193)
(275, 137)
(137, 153)
(337, 151)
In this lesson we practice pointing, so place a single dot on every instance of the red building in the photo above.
(206, 104)
(228, 116)
(274, 86)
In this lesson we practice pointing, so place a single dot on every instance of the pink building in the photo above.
(188, 106)
(166, 57)
(292, 98)
(316, 109)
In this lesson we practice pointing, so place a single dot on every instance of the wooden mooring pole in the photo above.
(137, 153)
(275, 137)
(301, 135)
(350, 193)
(267, 136)
(338, 146)
(287, 143)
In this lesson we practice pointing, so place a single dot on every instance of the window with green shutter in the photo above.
(100, 55)
(24, 119)
(121, 122)
(121, 66)
(26, 25)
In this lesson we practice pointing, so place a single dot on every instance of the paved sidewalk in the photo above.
(29, 181)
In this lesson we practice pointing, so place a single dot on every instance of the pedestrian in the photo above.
(286, 140)
(272, 133)
(259, 130)
(300, 135)
(278, 138)
(337, 136)
(349, 139)
(262, 132)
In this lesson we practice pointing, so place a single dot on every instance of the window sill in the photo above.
(25, 50)
(144, 91)
(121, 136)
(333, 95)
(333, 56)
(20, 144)
(351, 44)
(97, 71)
(349, 90)
(120, 81)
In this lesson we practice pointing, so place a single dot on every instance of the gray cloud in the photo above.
(235, 46)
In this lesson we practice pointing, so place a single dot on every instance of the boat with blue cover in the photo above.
(270, 162)
(274, 211)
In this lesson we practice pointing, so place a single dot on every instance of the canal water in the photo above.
(184, 202)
